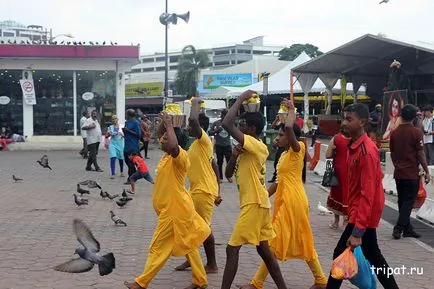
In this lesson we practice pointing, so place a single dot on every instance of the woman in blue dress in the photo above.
(116, 146)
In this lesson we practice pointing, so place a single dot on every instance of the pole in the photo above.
(291, 86)
(166, 70)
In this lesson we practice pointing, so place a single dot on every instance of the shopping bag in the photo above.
(106, 142)
(330, 179)
(421, 195)
(345, 265)
(365, 277)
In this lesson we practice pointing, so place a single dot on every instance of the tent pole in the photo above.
(291, 85)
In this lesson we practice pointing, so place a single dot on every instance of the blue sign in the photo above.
(213, 81)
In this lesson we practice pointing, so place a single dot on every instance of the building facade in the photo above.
(64, 81)
(14, 32)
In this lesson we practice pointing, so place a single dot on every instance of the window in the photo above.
(219, 63)
(11, 114)
(221, 52)
(162, 58)
(8, 34)
(244, 51)
(240, 61)
(174, 67)
(161, 68)
(148, 69)
(136, 70)
(174, 58)
(147, 60)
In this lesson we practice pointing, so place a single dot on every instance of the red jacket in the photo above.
(366, 195)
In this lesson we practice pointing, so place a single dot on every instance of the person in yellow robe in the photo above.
(291, 223)
(180, 230)
(254, 222)
(203, 177)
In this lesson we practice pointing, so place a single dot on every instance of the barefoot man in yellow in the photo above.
(254, 222)
(180, 230)
(203, 177)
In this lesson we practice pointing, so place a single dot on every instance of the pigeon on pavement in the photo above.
(16, 179)
(90, 184)
(323, 210)
(112, 197)
(116, 219)
(121, 203)
(80, 201)
(43, 162)
(81, 191)
(88, 253)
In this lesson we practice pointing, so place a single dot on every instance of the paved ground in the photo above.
(36, 231)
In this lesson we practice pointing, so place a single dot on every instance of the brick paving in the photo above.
(36, 230)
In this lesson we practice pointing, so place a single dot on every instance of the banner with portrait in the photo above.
(393, 101)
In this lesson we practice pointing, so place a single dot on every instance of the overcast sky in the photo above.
(326, 24)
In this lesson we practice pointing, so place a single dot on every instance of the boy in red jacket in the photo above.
(142, 171)
(366, 197)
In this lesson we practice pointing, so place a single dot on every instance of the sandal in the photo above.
(334, 226)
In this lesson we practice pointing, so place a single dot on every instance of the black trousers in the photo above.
(222, 152)
(372, 254)
(83, 151)
(145, 148)
(130, 165)
(276, 161)
(93, 152)
(407, 194)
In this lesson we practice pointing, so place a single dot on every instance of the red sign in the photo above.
(27, 86)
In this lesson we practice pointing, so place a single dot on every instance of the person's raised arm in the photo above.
(193, 120)
(229, 120)
(172, 141)
(289, 126)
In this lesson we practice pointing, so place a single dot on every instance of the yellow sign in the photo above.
(144, 89)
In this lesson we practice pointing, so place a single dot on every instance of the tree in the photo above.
(190, 64)
(295, 50)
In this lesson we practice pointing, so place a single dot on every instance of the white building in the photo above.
(14, 32)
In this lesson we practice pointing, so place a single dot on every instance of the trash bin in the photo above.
(270, 135)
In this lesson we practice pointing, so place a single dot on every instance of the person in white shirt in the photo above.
(93, 130)
(84, 117)
(428, 135)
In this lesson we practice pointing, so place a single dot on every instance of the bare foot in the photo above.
(230, 180)
(211, 270)
(183, 266)
(192, 286)
(334, 226)
(133, 285)
(246, 286)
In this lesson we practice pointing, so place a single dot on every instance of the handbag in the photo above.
(421, 195)
(330, 179)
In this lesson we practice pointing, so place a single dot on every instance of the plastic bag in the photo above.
(345, 265)
(421, 195)
(106, 142)
(365, 277)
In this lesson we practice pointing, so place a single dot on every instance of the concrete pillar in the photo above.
(27, 111)
(74, 100)
(120, 93)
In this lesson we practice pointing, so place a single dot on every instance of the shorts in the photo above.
(253, 226)
(204, 205)
(139, 175)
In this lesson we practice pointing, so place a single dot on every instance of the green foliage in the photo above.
(190, 64)
(295, 50)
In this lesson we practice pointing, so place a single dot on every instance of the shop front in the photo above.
(45, 89)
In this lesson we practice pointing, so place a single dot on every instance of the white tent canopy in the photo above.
(278, 83)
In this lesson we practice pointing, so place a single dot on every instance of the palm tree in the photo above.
(190, 64)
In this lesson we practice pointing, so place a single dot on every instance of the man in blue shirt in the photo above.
(132, 136)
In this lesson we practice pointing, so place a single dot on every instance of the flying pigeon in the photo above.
(384, 1)
(43, 162)
(323, 210)
(88, 253)
(81, 191)
(16, 179)
(80, 201)
(116, 219)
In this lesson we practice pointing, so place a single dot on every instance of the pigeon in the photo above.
(323, 210)
(43, 162)
(384, 1)
(111, 197)
(81, 191)
(16, 179)
(116, 219)
(103, 194)
(121, 203)
(88, 253)
(80, 201)
(125, 199)
(124, 194)
(90, 184)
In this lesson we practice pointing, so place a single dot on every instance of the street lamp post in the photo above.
(166, 19)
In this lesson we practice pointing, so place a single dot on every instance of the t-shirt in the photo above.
(250, 173)
(405, 142)
(132, 141)
(201, 175)
(140, 164)
(222, 138)
(93, 134)
(299, 122)
(427, 127)
(83, 131)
